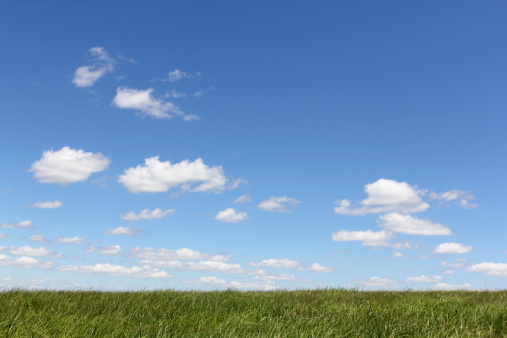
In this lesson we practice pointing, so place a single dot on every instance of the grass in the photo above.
(303, 313)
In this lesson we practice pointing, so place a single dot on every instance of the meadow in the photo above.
(301, 313)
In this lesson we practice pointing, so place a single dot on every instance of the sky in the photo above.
(253, 145)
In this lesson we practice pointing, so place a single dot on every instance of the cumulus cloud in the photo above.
(70, 240)
(22, 224)
(68, 165)
(281, 277)
(456, 248)
(463, 198)
(39, 238)
(147, 214)
(490, 269)
(230, 215)
(111, 250)
(156, 176)
(177, 75)
(222, 283)
(168, 254)
(47, 205)
(116, 270)
(146, 104)
(201, 266)
(378, 282)
(453, 264)
(275, 203)
(288, 263)
(243, 199)
(368, 237)
(101, 64)
(25, 262)
(385, 195)
(451, 287)
(122, 231)
(425, 279)
(407, 224)
(30, 251)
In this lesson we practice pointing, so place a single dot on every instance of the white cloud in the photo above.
(230, 215)
(425, 279)
(156, 176)
(222, 283)
(398, 254)
(379, 282)
(70, 240)
(144, 102)
(147, 214)
(25, 262)
(177, 75)
(122, 231)
(111, 250)
(407, 224)
(243, 199)
(86, 76)
(68, 165)
(448, 272)
(281, 277)
(47, 205)
(383, 196)
(39, 238)
(450, 287)
(168, 254)
(174, 94)
(30, 251)
(490, 269)
(4, 236)
(368, 237)
(277, 203)
(201, 266)
(456, 248)
(453, 265)
(288, 263)
(116, 270)
(22, 224)
(462, 197)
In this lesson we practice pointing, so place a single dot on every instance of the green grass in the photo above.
(304, 313)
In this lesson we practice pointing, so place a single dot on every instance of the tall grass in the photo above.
(304, 313)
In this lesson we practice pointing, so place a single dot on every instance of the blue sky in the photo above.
(253, 145)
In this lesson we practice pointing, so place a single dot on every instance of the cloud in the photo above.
(22, 224)
(71, 240)
(86, 76)
(4, 236)
(379, 282)
(47, 205)
(39, 238)
(398, 255)
(277, 203)
(147, 214)
(288, 263)
(462, 197)
(385, 195)
(25, 262)
(222, 283)
(122, 231)
(68, 165)
(201, 266)
(368, 237)
(453, 265)
(243, 199)
(144, 102)
(116, 270)
(156, 176)
(407, 224)
(168, 254)
(456, 248)
(281, 277)
(450, 287)
(177, 75)
(230, 215)
(490, 269)
(424, 279)
(111, 250)
(30, 251)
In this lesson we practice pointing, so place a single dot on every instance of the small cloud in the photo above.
(102, 63)
(47, 205)
(122, 231)
(368, 237)
(288, 263)
(39, 238)
(230, 215)
(243, 199)
(222, 283)
(177, 75)
(398, 254)
(116, 270)
(451, 287)
(463, 198)
(489, 269)
(22, 224)
(378, 282)
(111, 250)
(164, 254)
(68, 165)
(407, 224)
(425, 279)
(452, 248)
(4, 236)
(277, 204)
(70, 240)
(147, 214)
(25, 262)
(173, 94)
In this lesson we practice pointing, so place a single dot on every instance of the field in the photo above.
(302, 313)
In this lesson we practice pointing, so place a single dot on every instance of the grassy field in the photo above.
(304, 313)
